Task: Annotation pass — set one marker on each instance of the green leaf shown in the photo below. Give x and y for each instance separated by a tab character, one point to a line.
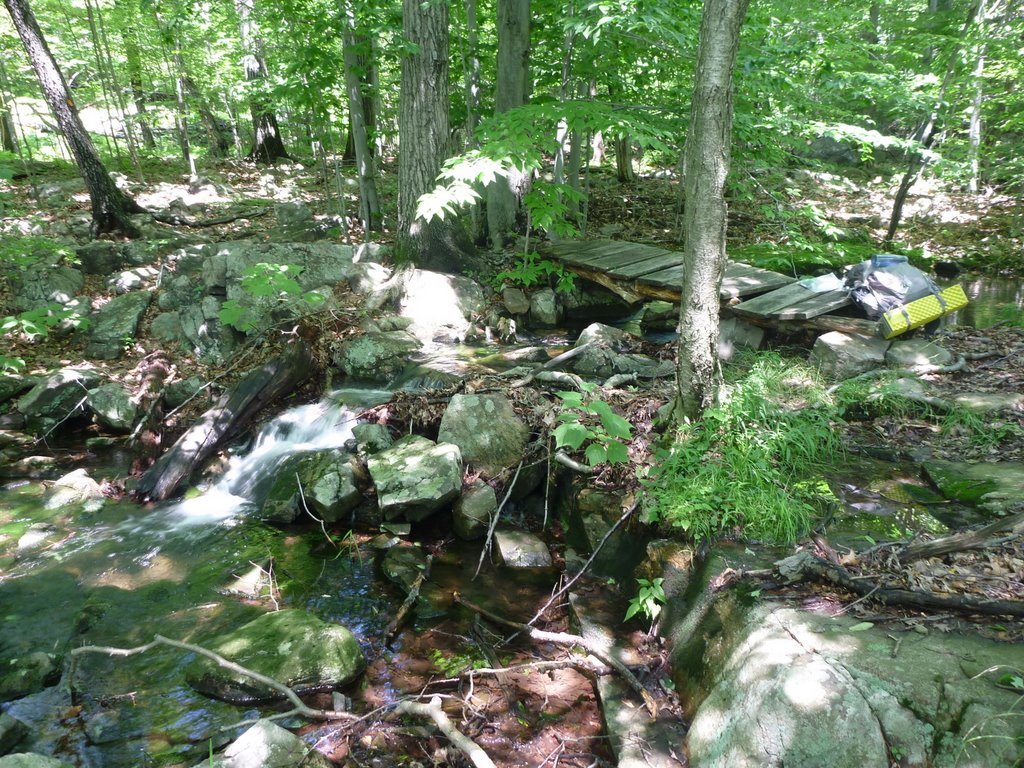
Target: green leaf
596	454
571	434
616	425
617	453
633	610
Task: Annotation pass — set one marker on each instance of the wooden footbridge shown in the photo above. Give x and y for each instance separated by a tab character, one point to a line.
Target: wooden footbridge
636	272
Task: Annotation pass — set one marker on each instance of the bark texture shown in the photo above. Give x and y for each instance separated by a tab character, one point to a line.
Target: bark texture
423	131
369	203
268	146
110	206
512	90
707	165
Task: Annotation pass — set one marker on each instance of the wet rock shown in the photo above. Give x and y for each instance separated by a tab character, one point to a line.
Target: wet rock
12	731
910	353
112	407
487	430
606	355
292	213
474	510
439	305
74	488
58	397
521	549
33	467
115	324
403	565
224	264
12	385
979	482
515	300
178	392
31	760
167	327
593	513
376	356
28	674
323	480
291	646
416	477
37	536
267	745
372	438
843	355
545	309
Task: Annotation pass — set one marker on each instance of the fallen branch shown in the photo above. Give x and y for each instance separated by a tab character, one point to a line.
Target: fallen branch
804	566
298	706
565	638
618	380
494	520
473	752
566	461
958	542
407	604
554	362
561	378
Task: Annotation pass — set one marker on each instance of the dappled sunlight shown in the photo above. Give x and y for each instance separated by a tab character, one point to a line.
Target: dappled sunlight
161	567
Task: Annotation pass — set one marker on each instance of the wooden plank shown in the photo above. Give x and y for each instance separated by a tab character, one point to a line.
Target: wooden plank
765	305
665	261
740	280
585	255
611	262
817	304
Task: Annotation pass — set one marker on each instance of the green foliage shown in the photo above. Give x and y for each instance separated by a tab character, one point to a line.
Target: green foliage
455	664
590	422
271	290
752	462
533	270
648	600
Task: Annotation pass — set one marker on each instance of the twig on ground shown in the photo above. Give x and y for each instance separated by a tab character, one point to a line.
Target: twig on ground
552	363
566	461
432	710
494	520
410	600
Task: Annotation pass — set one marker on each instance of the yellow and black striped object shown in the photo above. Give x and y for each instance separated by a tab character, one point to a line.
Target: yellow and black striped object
922	311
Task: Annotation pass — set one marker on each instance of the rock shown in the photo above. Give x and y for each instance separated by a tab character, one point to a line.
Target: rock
831	150
545	309
734	334
376	356
520	549
990	402
439	305
372	438
203	334
267	745
909	353
58	397
291	646
12	731
593	513
515	300
177	392
112	407
972	483
45	283
28	674
606	356
31	760
474	510
116	324
324	480
842	355
135	280
487	430
74	488
29	466
292	213
35	537
12	385
403	565
167	327
416	477
589	302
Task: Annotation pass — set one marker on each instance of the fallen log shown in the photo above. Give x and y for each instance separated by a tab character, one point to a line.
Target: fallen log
234	411
980	539
804	566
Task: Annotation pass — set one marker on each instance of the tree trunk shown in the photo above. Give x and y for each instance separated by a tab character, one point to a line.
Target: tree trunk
978	100
268	146
219	144
504	195
624	159
423	132
708	143
369	204
110	206
133	61
471	82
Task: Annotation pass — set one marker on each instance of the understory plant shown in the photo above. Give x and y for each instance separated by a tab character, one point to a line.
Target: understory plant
753	463
591	422
269	291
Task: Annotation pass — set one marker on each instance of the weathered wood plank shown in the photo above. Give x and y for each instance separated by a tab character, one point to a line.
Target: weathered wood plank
739	280
646	266
613	261
770	303
817	304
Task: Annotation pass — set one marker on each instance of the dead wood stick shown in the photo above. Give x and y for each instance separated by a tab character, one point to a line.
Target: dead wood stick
958	542
461	741
804	566
410	600
567	461
552	363
494	520
564	638
299	708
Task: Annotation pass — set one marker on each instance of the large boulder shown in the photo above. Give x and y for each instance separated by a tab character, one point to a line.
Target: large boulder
521	549
12	731
324	481
74	488
978	483
267	745
59	396
376	356
911	353
115	325
487	430
112	407
607	354
416	477
545	309
439	305
12	385
43	284
844	355
291	646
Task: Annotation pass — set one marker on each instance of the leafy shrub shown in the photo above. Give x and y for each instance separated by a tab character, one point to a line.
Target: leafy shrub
587	420
270	289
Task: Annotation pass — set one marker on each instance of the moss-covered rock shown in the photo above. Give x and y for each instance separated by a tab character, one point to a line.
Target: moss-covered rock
416	477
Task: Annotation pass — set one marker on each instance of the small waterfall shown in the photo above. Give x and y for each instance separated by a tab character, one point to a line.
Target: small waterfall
315	427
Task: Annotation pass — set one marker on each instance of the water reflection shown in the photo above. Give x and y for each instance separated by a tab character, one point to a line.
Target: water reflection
990	300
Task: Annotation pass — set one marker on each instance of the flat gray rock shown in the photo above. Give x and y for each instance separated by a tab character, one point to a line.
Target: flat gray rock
416	477
844	355
520	549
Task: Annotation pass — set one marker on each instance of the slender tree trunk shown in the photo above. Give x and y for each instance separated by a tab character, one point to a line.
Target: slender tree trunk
504	195
268	146
110	206
423	132
369	204
219	144
471	80
978	100
708	143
